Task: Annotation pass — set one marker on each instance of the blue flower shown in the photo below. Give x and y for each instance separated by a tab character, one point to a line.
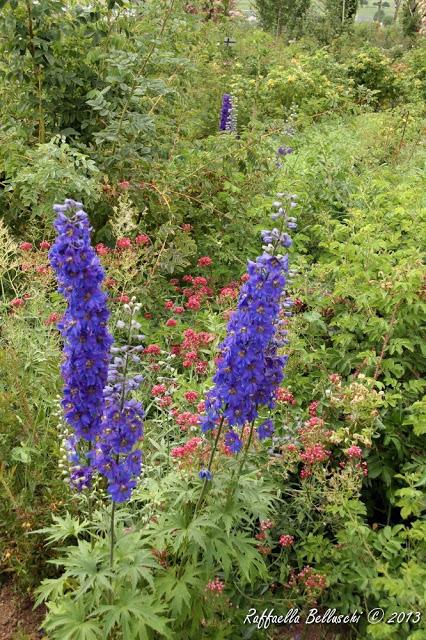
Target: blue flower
233	441
84	325
227	120
205	474
265	430
250	369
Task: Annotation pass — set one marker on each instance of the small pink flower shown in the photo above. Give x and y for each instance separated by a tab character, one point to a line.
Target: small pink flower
53	318
286	541
17	302
191	396
187	227
44	245
201	367
25	246
200	281
266	524
205	261
148	316
101	249
193	303
123	243
215	586
244	277
124	185
158	390
123	298
171	322
178	310
166	401
187	278
141	239
354	452
284	395
313	408
152	350
168	304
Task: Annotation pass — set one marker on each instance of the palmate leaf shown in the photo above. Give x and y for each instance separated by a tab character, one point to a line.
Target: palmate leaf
69	620
177	589
64	528
133	613
50	589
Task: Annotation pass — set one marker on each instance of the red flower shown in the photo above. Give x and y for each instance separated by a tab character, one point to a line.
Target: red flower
124	185
201	367
168	304
53	318
244	277
166	401
284	395
142	239
205	261
101	249
44	245
193	303
171	322
187	227
148	316
158	390
17	302
178	310
25	246
354	452
153	350
313	408
123	243
200	280
123	298
286	541
191	396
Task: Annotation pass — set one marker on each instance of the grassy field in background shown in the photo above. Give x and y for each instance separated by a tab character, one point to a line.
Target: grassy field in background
364	13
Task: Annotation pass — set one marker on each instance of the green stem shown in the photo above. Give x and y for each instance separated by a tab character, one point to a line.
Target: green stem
112	533
209	466
234	485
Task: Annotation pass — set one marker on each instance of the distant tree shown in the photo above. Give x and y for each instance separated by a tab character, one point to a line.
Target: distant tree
411	19
282	15
341	11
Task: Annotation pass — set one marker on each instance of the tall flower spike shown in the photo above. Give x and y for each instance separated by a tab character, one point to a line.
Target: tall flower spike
115	455
83	327
228	119
250	367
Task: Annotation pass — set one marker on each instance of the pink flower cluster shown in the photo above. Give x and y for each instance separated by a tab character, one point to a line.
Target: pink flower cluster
284	395
354	452
313	581
188	350
186	419
315	453
215	586
286	540
123	244
190	447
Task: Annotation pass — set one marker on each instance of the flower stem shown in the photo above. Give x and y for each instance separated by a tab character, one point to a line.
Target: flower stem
234	485
209	466
112	535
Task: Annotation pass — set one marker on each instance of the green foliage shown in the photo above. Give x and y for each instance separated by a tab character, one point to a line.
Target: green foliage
118	106
280	15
